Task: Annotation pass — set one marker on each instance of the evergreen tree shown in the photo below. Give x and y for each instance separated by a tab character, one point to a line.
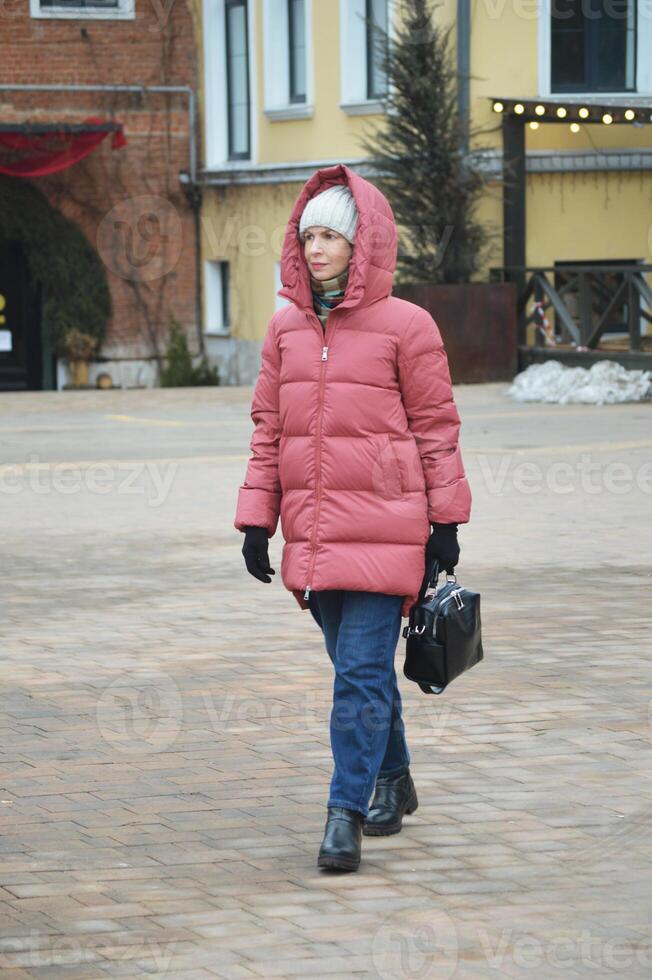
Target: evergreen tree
178	371
431	184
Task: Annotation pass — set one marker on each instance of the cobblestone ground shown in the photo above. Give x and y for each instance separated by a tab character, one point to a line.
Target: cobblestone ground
165	748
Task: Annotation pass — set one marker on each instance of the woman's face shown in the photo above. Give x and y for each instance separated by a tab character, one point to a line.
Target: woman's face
327	252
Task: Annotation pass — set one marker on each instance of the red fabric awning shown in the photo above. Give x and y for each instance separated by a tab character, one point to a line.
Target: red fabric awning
37	149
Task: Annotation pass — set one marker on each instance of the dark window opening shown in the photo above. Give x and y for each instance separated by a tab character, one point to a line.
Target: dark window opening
237	79
593	45
297	49
80	4
226	306
376	13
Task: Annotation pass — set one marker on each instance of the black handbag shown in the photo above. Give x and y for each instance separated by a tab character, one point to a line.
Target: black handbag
443	634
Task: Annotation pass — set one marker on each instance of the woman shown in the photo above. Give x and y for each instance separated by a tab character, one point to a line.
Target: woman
355	448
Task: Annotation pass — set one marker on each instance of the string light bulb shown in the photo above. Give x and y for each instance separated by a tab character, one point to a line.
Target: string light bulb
519	108
561	112
583	113
540	110
534	125
498	107
630	114
607	119
574	127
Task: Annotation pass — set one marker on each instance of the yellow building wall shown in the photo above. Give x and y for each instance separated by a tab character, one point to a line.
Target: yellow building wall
490	215
245	226
584	216
589	217
330	134
505	62
579	216
591	138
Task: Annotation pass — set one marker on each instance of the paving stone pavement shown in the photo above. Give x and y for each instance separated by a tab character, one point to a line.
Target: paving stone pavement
165	749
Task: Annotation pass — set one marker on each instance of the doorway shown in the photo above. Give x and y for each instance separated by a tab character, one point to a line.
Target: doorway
21	346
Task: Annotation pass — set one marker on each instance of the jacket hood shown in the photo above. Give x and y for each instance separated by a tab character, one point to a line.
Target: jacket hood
372	265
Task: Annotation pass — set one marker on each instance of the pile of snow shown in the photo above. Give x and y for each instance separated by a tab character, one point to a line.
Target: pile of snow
606	382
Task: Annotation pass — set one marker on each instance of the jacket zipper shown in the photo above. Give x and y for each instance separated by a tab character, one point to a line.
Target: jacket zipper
324	358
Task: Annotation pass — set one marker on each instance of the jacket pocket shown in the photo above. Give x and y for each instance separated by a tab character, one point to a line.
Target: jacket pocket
416	475
392	472
279	462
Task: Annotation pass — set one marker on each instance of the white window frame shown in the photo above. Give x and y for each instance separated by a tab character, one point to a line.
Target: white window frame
353	57
643	85
216	119
277	63
214	298
126	10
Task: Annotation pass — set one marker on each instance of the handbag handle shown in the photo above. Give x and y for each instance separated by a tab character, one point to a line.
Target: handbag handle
430	579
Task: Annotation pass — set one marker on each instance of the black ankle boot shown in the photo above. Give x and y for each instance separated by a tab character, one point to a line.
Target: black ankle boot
342	839
394	796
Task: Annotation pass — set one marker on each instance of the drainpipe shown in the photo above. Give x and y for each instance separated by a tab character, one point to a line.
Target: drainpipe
463	69
194	198
187	179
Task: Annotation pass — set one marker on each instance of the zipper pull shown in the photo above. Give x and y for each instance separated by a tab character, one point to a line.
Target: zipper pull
324	353
306	593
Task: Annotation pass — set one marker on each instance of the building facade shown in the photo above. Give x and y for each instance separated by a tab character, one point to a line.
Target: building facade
292	85
132	65
228	106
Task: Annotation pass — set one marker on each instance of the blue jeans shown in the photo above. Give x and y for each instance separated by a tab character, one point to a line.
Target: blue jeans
361	630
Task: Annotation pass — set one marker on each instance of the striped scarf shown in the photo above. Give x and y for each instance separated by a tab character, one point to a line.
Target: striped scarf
327	293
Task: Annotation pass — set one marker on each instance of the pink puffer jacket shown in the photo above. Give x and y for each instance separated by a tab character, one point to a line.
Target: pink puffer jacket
355	444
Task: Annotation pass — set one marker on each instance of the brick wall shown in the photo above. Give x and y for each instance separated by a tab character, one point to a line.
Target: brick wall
129	202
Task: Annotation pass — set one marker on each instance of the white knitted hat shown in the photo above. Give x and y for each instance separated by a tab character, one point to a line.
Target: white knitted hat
334	208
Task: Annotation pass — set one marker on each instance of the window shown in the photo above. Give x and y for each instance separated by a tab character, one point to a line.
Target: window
74	4
216	288
229	82
364	83
593	45
297	49
287	59
83	9
376	13
237	78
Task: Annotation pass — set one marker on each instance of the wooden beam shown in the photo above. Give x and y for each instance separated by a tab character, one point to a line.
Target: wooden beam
586	307
643	289
633	314
603	322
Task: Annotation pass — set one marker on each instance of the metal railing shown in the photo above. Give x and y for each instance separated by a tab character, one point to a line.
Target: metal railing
587	300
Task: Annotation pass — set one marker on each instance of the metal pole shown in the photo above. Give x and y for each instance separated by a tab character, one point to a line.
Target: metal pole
513	191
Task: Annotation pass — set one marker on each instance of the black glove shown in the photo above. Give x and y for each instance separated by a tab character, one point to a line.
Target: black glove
442	545
255	553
